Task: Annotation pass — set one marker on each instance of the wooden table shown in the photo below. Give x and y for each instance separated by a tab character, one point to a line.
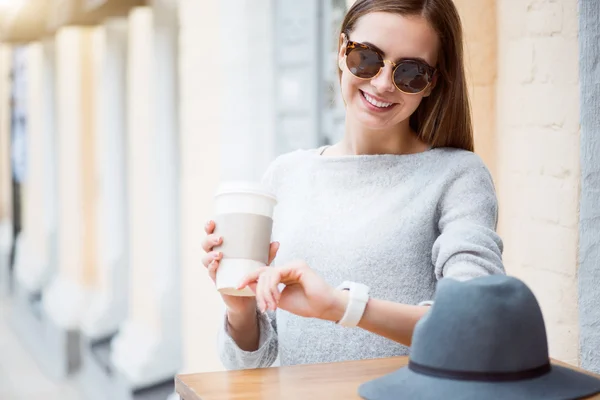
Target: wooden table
301	382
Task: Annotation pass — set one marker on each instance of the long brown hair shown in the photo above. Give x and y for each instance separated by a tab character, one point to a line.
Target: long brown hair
443	119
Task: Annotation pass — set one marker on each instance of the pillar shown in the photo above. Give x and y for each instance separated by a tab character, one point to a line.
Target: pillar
147	349
66	298
36	255
219	143
6	237
589	224
108	308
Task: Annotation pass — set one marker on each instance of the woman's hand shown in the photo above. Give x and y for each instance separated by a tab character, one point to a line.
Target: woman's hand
306	294
211	260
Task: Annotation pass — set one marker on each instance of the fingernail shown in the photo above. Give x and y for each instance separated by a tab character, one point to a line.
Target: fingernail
216	255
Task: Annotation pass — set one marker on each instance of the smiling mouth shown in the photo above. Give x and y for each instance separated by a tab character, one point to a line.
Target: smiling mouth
375	103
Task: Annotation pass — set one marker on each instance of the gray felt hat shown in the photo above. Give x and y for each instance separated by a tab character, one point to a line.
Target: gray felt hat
482	339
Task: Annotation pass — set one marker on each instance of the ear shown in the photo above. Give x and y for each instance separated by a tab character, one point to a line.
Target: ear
431	85
342	52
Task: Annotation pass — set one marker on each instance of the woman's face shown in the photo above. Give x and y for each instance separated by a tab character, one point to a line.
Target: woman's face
397	37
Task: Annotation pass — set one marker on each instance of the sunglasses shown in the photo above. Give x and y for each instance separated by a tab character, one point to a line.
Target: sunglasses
409	76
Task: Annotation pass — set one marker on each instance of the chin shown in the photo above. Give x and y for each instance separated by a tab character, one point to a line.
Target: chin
376	122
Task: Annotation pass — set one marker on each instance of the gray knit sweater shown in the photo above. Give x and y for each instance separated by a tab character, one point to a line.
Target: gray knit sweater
397	223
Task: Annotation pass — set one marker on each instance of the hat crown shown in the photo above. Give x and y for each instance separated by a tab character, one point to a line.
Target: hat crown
491	324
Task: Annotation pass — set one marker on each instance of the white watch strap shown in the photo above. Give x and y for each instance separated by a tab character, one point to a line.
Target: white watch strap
358	296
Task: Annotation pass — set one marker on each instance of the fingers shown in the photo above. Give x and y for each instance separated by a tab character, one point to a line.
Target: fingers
211	241
273	288
267	292
273	249
212	270
209	227
210	257
262	282
250	278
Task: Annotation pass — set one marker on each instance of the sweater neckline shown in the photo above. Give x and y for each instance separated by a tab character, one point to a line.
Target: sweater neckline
318	154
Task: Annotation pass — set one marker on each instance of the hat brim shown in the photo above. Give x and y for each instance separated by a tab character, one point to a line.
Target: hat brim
560	383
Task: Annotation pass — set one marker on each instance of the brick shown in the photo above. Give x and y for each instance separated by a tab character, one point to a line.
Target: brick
547	105
544	18
518	61
549	247
556	60
570	29
554	200
543	151
512	19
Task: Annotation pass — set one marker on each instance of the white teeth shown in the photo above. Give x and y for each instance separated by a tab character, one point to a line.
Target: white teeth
375	102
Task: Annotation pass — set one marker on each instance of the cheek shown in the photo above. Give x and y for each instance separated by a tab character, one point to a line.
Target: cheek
348	85
411	102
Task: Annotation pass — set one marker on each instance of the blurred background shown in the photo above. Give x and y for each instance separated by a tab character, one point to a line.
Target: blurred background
119	118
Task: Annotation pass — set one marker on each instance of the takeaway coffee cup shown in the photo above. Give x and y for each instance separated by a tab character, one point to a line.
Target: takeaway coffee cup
244	218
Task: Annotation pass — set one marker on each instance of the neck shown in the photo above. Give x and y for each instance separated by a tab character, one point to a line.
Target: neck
400	139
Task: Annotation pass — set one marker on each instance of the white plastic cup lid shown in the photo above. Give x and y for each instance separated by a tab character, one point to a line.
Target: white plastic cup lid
233	187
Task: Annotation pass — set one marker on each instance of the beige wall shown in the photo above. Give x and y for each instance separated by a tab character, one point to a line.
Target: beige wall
5	88
479	27
538	157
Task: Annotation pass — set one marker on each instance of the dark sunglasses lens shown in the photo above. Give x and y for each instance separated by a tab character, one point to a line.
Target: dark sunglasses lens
411	77
363	63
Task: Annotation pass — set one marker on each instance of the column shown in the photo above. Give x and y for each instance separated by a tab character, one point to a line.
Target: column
36	254
589	224
5	170
201	127
538	171
147	349
29	256
248	134
108	308
66	298
227	135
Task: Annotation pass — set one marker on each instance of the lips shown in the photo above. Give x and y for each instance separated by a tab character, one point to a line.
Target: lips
376	102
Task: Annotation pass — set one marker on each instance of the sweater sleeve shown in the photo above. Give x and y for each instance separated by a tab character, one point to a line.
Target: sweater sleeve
468	245
233	357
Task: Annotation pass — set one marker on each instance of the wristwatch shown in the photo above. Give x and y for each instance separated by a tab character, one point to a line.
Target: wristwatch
358	296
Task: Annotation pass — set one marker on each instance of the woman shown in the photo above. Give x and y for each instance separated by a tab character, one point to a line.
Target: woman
399	203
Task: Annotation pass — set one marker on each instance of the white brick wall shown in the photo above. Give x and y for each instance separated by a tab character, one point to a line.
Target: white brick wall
538	157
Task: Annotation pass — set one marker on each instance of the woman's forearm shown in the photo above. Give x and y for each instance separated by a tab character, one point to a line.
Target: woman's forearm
394	321
243	329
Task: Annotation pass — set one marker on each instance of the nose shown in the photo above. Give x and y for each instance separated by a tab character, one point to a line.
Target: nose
383	81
